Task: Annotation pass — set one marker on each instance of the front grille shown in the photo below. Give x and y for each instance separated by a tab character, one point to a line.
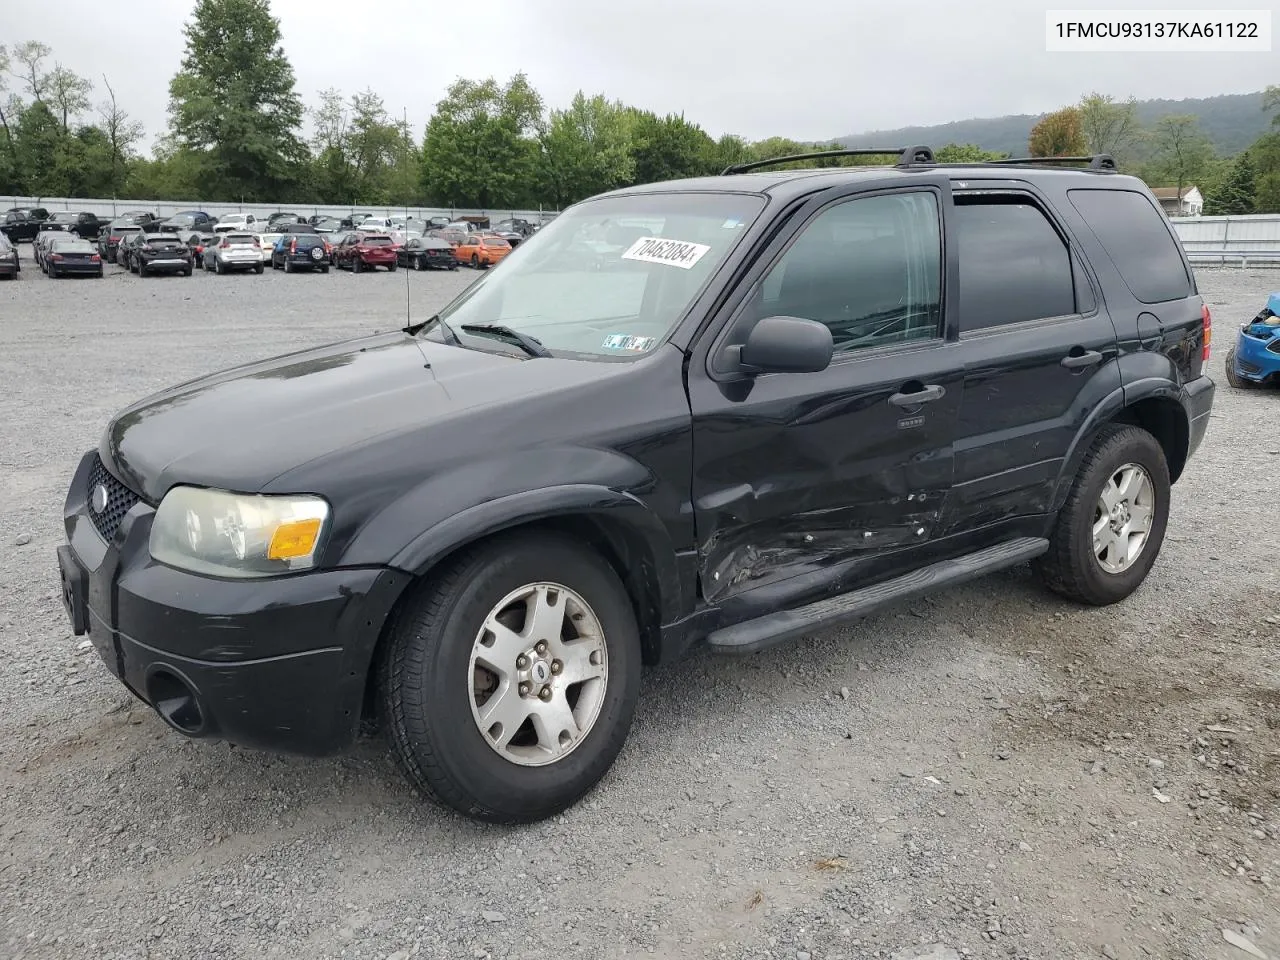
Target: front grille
1274	345
120	499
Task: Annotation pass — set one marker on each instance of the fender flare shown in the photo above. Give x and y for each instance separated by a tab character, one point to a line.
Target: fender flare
1116	402
620	512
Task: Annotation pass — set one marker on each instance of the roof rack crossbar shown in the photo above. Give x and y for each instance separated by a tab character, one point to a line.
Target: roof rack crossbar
906	155
1099	161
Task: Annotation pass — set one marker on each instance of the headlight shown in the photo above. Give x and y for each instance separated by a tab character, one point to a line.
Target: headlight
236	535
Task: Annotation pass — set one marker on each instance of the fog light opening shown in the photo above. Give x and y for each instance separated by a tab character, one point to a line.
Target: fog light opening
176	702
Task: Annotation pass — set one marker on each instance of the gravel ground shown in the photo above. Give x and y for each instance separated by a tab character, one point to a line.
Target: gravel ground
988	773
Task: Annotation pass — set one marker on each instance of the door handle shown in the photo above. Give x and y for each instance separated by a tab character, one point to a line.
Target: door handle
925	394
1085	358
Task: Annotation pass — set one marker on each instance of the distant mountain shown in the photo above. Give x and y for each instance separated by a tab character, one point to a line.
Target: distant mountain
1232	122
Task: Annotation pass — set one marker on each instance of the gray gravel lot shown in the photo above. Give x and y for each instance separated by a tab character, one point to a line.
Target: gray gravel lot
989	773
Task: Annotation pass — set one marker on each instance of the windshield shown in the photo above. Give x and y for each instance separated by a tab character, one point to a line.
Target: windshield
611	277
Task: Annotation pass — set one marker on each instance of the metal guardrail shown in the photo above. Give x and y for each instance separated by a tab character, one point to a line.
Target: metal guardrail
1222	255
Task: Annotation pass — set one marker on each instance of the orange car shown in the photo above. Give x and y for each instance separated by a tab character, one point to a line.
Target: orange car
481	250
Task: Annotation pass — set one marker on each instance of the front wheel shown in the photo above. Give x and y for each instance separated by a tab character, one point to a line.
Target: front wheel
1109	532
1233	378
512	678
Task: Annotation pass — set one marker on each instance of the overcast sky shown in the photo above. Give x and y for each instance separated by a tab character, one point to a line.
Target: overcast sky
810	71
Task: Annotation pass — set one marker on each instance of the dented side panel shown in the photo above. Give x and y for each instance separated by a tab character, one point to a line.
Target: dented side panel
796	472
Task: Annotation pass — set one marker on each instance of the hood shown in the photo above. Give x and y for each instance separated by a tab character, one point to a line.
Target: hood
242	428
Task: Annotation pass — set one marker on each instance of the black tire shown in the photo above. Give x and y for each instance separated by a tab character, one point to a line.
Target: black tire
427	711
453	266
357	265
258	269
324	269
53	273
1233	378
475	261
391	268
100	274
288	266
218	268
142	269
1070	567
187	272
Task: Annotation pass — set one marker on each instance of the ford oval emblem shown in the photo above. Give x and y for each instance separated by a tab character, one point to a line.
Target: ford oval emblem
99	499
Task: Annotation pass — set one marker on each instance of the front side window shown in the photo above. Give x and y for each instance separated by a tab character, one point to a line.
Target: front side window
611	277
870	269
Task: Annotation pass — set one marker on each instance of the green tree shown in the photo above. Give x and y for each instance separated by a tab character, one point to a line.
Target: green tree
1265	156
1237	192
480	148
1109	127
1271	103
728	150
9	108
667	148
36	144
1059	134
965	153
1183	153
232	103
67	94
586	149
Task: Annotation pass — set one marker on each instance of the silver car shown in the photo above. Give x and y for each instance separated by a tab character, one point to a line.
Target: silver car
234	251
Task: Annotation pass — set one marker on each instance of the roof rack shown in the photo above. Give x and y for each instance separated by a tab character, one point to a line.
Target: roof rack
906	156
1099	161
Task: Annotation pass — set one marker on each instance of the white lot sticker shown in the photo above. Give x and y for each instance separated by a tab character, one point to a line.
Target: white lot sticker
674	253
620	341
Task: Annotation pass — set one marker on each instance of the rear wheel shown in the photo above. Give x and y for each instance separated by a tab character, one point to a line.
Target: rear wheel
288	266
1233	378
142	269
357	265
475	261
1110	530
258	269
391	268
512	678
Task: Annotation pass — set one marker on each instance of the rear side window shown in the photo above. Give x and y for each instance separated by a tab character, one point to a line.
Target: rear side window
1136	237
1014	266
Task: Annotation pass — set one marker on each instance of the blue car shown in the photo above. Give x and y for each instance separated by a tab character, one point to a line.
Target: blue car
1255	358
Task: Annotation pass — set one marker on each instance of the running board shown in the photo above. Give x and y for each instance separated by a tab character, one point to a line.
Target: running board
776	628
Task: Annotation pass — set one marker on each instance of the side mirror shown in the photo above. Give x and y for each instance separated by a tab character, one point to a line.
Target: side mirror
786	345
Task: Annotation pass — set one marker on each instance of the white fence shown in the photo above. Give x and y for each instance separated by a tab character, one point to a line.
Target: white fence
1223	240
164	208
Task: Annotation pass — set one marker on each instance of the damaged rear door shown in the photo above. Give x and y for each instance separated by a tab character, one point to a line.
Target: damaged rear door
825	476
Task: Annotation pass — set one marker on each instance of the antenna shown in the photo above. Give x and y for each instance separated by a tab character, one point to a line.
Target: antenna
408	309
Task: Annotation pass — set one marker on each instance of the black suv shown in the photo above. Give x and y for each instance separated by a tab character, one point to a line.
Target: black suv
301	250
731	411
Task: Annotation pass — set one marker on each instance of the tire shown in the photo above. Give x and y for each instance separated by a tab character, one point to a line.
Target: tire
288	266
1233	378
100	274
357	265
453	266
258	269
218	268
142	269
475	261
1071	567
187	272
53	273
428	692
324	269
391	268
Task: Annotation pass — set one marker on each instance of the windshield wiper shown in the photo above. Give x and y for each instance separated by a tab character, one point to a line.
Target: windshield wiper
449	336
528	344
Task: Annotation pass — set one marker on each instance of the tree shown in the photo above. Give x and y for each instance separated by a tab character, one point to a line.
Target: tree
1109	127
667	148
232	103
480	148
1182	151
121	134
965	153
1271	103
1058	134
68	94
728	150
1237	192
30	55
586	149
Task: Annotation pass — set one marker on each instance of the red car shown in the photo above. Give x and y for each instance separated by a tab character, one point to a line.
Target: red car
365	251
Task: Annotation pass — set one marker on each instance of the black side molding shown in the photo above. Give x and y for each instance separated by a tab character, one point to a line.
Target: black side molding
775	628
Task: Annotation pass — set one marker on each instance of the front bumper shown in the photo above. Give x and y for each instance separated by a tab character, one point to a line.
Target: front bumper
1254	361
277	664
1199	404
